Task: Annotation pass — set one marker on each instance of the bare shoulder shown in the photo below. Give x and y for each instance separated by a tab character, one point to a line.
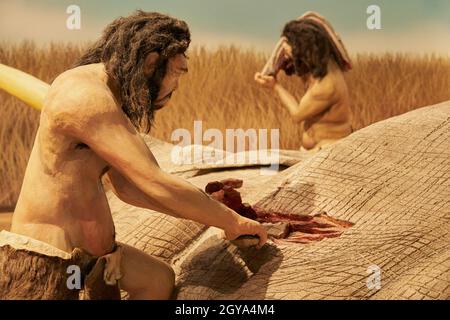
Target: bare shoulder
323	89
77	94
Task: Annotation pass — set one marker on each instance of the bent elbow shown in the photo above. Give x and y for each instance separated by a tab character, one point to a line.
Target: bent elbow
297	117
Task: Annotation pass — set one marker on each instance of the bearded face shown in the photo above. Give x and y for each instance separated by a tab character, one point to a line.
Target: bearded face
159	80
175	68
144	85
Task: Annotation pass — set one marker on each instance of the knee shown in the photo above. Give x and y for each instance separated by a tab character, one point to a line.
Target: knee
159	288
166	282
170	277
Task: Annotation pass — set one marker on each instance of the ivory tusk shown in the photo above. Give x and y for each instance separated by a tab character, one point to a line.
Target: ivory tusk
23	86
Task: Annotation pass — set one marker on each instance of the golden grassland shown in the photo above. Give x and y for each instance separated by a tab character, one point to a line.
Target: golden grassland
219	90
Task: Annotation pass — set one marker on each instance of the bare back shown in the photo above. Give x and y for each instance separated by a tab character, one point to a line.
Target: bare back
62	201
334	122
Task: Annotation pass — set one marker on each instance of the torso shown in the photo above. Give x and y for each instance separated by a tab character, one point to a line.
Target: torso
62	201
335	122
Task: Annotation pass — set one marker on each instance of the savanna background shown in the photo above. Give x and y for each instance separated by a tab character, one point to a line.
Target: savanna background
219	90
228	48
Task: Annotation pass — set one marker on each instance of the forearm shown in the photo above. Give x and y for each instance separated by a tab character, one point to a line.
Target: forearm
129	193
162	192
189	202
138	199
217	215
287	99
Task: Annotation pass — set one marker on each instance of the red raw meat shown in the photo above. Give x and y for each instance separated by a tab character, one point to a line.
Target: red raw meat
283	228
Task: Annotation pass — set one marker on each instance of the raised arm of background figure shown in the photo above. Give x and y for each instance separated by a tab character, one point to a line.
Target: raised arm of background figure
318	98
103	126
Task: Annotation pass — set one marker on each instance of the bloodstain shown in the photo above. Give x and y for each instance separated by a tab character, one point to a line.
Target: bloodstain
282	227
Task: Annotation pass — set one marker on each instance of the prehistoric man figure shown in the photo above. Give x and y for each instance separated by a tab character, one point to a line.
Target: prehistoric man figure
89	128
310	48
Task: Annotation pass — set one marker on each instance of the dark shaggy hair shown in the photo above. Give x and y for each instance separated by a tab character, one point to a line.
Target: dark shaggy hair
311	48
123	48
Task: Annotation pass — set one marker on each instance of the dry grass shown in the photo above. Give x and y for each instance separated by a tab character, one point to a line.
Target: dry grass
219	90
5	220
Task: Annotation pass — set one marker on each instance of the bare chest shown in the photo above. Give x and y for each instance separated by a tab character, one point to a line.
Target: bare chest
62	155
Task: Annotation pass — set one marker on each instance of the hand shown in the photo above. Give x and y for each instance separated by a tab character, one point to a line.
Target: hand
268	82
247	226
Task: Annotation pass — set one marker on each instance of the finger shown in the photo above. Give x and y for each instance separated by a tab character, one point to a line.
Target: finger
262	234
257	75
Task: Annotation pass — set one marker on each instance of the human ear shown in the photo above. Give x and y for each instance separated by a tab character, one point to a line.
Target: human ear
150	62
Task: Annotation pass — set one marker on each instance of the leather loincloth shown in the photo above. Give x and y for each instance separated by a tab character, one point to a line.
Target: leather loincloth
32	269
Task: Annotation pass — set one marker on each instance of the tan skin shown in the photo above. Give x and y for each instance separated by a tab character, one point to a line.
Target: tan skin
62	201
324	110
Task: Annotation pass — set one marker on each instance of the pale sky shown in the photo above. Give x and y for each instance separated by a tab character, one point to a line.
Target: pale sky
419	26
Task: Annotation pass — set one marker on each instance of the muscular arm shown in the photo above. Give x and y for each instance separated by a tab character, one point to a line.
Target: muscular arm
92	118
315	101
129	193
